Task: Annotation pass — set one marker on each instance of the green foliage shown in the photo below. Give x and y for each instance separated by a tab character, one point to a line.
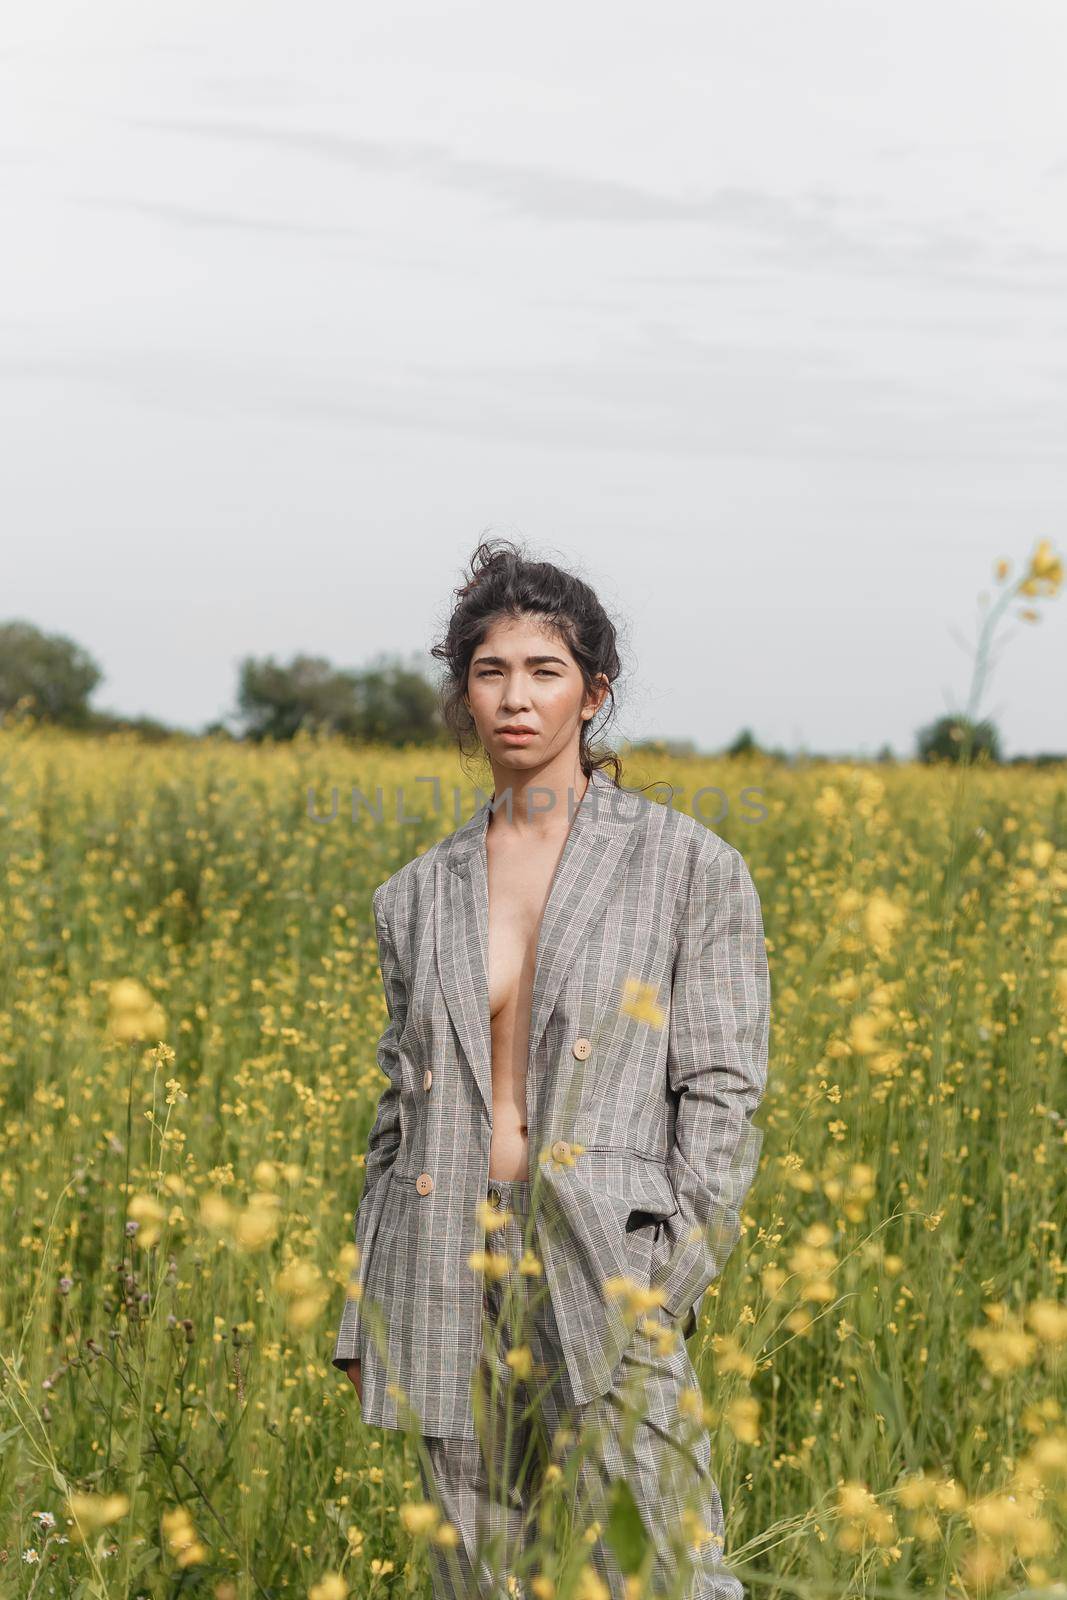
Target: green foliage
388	703
957	739
46	674
625	1531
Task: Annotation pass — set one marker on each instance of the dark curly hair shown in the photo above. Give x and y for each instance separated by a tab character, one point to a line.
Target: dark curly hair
504	582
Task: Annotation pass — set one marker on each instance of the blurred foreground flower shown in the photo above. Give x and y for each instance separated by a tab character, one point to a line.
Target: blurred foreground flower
94	1511
862	1519
329	1587
181	1538
133	1014
421	1517
147	1216
635	1297
251	1227
489	1262
882	919
305	1291
640	1001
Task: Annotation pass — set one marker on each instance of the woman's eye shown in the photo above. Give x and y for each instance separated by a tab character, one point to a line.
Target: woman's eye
491	672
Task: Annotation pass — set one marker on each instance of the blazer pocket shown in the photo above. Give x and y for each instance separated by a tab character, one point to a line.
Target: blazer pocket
641	1197
635	1175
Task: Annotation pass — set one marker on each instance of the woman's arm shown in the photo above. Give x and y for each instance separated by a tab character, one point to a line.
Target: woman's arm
717	1069
384	1138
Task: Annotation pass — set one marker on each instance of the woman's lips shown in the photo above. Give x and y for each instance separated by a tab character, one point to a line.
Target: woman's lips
516	738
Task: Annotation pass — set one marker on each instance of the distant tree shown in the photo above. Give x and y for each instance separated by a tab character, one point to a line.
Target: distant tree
956	739
1043	758
275	701
397	704
47	673
744	745
387	702
150	729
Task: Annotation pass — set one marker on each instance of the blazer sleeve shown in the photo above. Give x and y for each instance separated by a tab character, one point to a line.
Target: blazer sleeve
384	1138
717	1069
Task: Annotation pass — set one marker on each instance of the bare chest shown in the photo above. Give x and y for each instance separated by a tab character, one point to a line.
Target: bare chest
520	876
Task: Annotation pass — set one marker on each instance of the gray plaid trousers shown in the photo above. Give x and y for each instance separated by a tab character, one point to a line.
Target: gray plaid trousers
487	1487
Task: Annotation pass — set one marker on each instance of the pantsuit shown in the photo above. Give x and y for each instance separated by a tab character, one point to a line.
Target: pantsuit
649	1025
489	1487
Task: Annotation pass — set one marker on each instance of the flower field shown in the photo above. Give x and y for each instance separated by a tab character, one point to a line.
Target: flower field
189	1010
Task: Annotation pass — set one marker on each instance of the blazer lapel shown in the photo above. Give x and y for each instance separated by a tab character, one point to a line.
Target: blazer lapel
601	838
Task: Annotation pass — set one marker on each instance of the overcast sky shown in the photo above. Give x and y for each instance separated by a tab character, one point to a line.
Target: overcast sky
754	314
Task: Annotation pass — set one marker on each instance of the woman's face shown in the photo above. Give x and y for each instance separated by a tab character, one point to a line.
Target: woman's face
525	676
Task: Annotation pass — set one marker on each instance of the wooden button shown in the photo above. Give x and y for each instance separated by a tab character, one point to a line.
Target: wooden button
561	1150
424	1183
582	1049
427	1078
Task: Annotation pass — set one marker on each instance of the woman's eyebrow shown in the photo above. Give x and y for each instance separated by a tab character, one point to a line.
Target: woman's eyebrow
502	661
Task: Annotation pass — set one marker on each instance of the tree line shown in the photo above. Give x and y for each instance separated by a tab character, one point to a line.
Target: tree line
52	679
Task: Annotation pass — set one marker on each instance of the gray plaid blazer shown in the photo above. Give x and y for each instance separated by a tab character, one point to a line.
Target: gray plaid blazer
657	1107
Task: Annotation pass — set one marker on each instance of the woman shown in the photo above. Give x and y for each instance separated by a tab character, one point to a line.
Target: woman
579	1008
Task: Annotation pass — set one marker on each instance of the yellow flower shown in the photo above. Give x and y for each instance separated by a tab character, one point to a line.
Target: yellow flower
299	1277
730	1356
216	1213
590	1586
742	1418
529	1266
1048	1458
882	919
636	1297
133	1014
420	1517
664	1336
691	1404
566	1160
330	1587
1048	1319
862	1518
487	1261
492	1217
639	1000
146	1211
697	1533
181	1538
1045	572
829	804
520	1360
258	1224
94	1511
1004	1349
863	1032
